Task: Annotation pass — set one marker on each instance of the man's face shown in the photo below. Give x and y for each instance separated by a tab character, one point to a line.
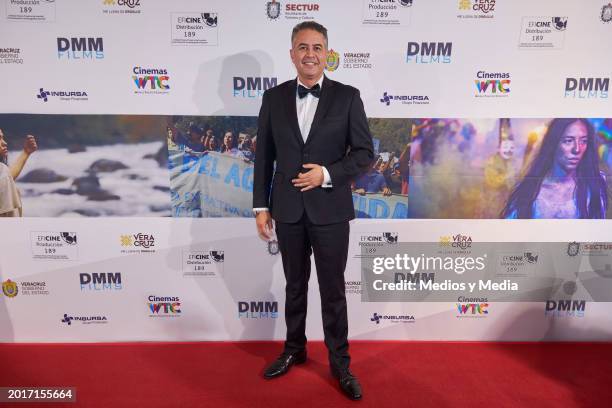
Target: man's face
506	149
572	146
309	53
227	139
3	145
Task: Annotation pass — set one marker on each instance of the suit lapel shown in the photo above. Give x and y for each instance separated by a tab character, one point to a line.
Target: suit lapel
290	108
327	95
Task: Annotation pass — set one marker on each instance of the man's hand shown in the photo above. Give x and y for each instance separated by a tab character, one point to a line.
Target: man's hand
311	179
30	146
264	225
387	191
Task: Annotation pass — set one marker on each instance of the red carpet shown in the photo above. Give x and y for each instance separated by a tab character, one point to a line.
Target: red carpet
393	374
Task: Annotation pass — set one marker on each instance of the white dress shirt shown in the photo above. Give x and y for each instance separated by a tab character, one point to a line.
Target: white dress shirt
306	108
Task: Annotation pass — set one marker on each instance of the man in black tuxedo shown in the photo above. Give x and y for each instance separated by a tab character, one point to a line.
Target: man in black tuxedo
316	131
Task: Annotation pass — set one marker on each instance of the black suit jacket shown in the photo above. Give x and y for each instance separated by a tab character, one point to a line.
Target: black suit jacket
339	139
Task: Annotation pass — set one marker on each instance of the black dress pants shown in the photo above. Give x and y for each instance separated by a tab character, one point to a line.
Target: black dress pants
330	246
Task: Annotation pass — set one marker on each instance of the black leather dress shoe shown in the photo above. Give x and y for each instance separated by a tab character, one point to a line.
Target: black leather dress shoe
284	363
349	384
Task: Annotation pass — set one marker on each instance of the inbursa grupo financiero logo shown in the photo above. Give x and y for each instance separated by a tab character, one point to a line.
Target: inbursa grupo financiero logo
80	48
429	52
45	95
404	99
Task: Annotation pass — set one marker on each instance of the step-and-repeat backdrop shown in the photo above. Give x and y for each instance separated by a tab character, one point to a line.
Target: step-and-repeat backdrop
127	138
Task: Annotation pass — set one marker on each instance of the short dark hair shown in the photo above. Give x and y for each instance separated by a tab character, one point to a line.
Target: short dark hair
309	25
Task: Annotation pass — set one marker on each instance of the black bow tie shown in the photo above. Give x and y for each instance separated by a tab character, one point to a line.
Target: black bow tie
303	91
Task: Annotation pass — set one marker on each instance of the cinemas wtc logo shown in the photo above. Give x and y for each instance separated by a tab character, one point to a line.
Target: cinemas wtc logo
80	48
492	84
164	306
141	242
587	88
472	309
151	80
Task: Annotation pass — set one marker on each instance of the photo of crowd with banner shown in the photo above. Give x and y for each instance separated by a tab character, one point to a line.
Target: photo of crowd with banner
193	166
211	168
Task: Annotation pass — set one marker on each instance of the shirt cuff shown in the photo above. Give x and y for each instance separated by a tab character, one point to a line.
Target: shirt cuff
326	179
260	209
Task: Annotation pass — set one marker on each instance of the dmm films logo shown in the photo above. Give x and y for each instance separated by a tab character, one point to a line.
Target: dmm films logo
348	60
46	95
137	243
471	9
203	263
54	245
24	288
98	282
257	310
565	308
121	6
30	10
292	11
70	319
252	87
80	48
378	318
386	12
606	13
151	80
587	88
195	28
10	56
164	306
492	84
543	32
404	99
429	52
